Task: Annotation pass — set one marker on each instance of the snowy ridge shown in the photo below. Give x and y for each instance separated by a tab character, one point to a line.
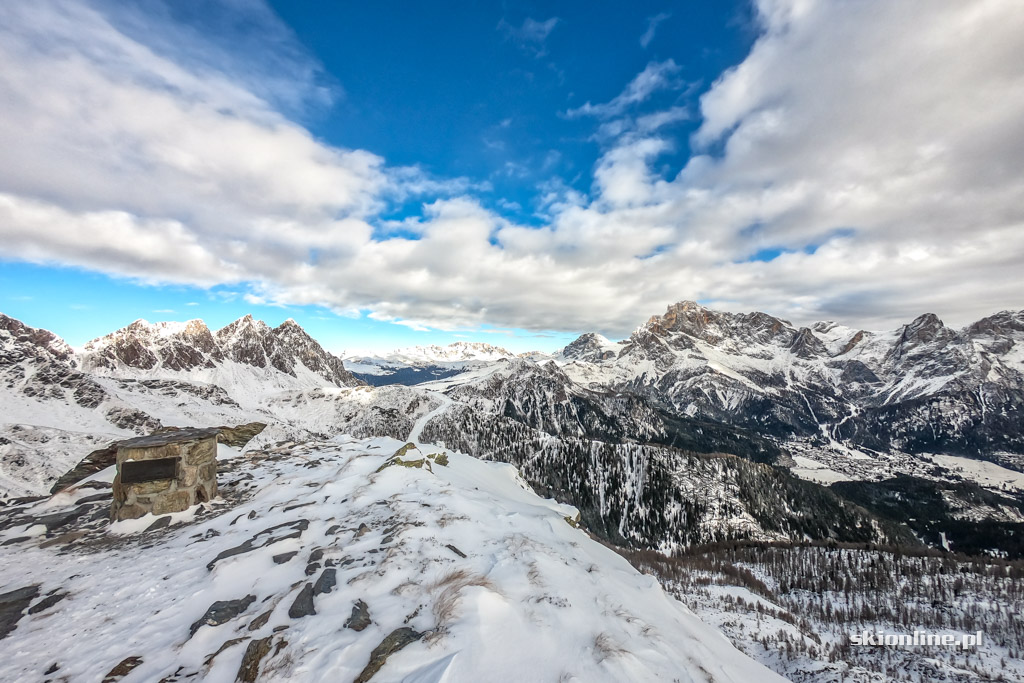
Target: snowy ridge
419	364
455	352
320	553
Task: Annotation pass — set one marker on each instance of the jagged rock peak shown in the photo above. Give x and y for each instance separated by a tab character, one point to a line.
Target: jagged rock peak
187	346
242	325
685	316
927	324
22	333
925	329
695	320
591	347
144	345
806	345
1003	323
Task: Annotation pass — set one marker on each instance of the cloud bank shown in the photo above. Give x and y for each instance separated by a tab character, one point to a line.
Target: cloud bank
865	162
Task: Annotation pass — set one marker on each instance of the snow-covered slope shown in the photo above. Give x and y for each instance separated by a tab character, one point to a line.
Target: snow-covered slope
333	561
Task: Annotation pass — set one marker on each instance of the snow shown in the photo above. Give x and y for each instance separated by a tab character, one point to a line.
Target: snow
812	470
985	473
417	429
458	352
534	598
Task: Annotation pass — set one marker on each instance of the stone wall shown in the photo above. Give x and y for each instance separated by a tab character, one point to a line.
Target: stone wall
194	478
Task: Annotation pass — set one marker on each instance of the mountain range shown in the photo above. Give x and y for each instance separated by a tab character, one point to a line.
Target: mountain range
701	434
701	426
922	387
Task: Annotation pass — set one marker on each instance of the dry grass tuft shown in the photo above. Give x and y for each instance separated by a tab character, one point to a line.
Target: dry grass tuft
450	587
534	576
605	647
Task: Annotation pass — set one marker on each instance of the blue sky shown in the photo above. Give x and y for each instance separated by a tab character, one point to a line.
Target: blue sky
398	173
480	90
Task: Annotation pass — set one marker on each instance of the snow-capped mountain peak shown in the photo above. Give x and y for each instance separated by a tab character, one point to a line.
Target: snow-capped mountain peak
591	347
455	352
186	347
20	333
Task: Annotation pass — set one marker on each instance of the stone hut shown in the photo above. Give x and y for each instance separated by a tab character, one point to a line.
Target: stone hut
163	473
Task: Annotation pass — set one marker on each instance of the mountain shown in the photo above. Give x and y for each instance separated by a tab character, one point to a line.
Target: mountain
453	353
700	435
282	357
591	347
56	405
921	388
690	431
418	364
51	412
354	560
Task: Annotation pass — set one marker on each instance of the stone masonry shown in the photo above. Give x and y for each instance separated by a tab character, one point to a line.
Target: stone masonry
164	473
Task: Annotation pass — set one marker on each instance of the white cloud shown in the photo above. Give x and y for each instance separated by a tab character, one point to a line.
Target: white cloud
532	35
655	76
876	144
652	27
151	250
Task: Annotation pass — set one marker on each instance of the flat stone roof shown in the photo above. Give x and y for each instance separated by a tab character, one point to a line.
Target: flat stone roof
165	438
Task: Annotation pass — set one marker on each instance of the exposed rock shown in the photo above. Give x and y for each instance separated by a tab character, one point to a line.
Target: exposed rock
94	498
99	459
69	537
133	420
47	602
224	646
360	617
61	519
395	641
249	669
12	607
303	604
275	534
260	621
326	582
284	557
123	668
238	436
221	612
161	523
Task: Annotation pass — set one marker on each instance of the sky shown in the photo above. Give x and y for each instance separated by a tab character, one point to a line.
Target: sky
396	173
